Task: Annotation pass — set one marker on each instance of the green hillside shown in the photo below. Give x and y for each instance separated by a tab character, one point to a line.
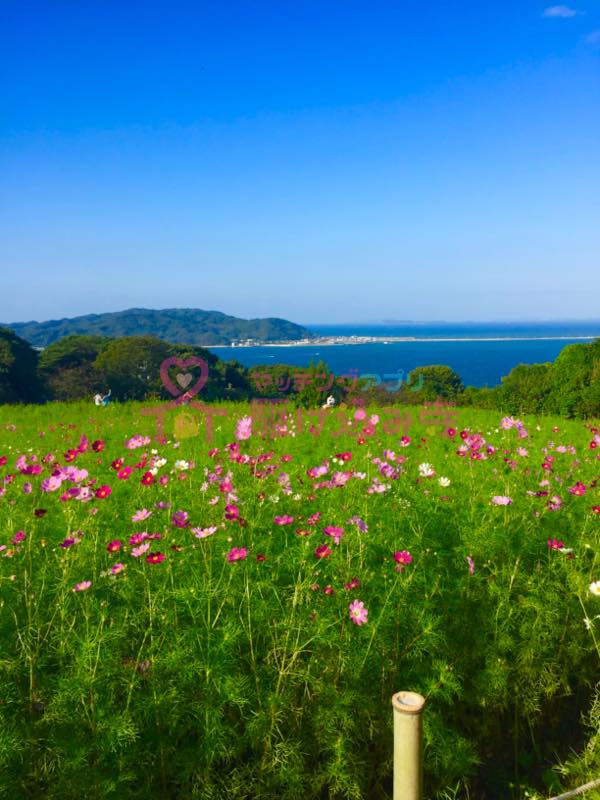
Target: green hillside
178	325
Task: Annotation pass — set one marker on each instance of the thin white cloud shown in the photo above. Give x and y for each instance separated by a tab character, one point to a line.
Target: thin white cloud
593	38
561	12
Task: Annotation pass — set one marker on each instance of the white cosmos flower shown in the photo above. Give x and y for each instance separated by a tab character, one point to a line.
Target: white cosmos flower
426	470
595	588
444	481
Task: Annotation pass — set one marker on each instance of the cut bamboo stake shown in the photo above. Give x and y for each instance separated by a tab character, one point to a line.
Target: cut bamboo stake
408	726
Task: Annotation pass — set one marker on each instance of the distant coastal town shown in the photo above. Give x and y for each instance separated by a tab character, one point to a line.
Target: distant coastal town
325	341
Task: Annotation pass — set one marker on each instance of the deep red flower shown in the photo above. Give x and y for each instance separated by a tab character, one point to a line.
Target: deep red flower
155	558
117	463
98	446
147	479
114	546
322	551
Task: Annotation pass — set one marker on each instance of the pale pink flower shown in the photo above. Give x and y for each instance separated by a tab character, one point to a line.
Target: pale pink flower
357	612
244	428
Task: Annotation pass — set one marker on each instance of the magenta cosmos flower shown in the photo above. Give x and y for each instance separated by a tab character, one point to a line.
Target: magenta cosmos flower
357	612
102	492
180	519
403	557
578	489
284	519
237	554
334	531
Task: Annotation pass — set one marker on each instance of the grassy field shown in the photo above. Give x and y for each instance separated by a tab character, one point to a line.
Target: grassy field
226	612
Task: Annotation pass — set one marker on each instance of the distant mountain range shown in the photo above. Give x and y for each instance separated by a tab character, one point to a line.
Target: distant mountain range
178	325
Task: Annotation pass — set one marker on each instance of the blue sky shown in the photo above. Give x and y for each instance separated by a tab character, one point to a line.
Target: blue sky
318	160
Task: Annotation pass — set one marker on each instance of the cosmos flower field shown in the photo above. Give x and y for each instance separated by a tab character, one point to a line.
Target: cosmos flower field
187	618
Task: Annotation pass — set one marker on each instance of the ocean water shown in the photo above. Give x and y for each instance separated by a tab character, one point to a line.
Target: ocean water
477	361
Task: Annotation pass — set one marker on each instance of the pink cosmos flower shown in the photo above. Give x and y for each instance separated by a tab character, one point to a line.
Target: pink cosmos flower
360	414
554	503
141	515
357	612
244	428
138	538
51	484
471	564
203	533
578	489
124	473
237	554
81	587
139	551
284	519
501	500
334	531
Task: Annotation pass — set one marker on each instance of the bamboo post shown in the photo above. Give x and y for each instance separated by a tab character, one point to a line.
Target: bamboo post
408	768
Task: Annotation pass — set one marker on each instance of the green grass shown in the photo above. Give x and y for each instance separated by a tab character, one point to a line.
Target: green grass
200	677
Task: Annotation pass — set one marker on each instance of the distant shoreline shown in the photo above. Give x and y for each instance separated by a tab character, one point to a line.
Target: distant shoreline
330	341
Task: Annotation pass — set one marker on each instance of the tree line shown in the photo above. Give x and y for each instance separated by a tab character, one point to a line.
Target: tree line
79	366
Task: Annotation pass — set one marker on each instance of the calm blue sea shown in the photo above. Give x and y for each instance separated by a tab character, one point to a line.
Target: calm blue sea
479	363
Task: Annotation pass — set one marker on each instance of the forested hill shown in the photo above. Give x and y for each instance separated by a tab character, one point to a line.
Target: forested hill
179	325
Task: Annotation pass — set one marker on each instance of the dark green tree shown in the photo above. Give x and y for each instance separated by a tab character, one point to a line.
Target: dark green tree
436	380
573	380
19	381
525	390
130	367
67	367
